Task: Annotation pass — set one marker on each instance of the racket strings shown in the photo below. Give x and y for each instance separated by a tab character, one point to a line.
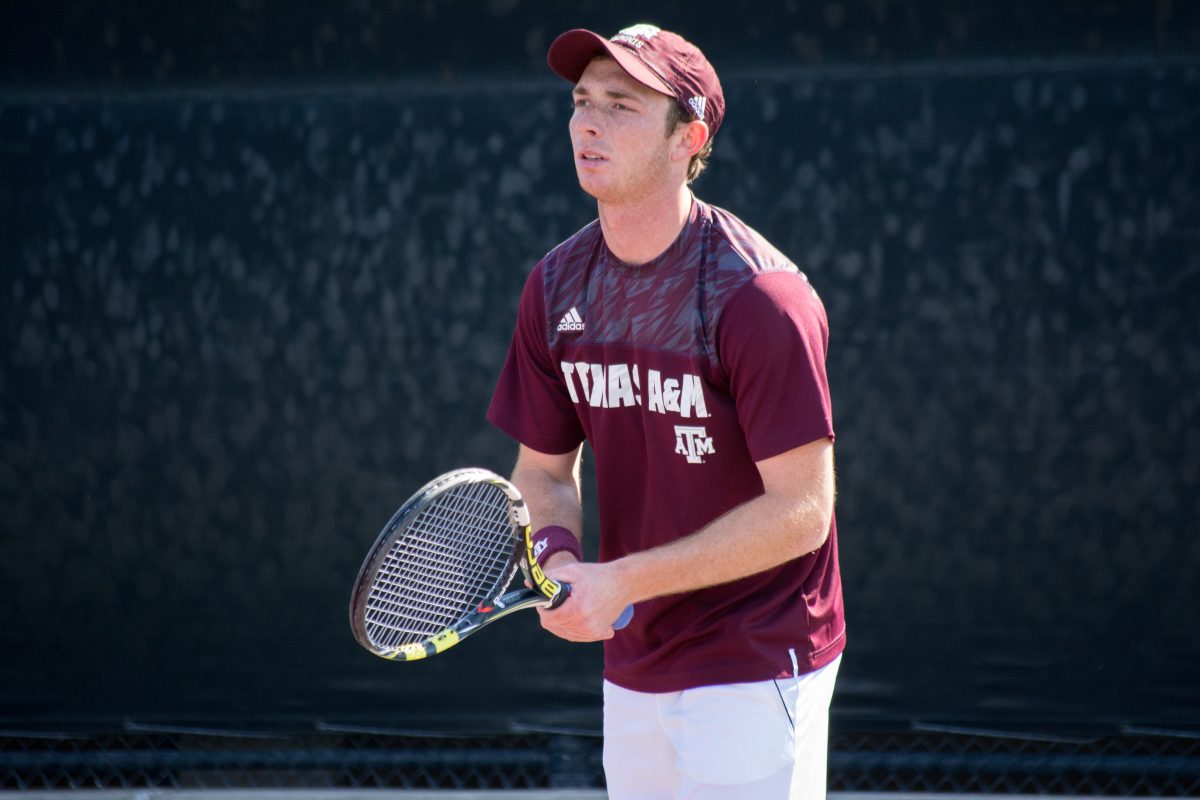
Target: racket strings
452	555
462	542
452	548
414	601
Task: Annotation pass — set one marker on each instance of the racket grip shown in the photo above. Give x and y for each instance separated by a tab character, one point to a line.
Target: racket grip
623	620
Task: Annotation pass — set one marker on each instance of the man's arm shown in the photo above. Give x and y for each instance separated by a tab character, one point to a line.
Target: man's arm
550	485
790	519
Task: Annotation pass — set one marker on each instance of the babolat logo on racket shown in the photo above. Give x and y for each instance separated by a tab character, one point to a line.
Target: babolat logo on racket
546	586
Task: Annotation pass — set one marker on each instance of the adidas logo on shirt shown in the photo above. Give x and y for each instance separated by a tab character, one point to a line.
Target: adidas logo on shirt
571	322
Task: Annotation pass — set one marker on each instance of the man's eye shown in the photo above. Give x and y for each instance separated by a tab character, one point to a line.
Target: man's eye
579	103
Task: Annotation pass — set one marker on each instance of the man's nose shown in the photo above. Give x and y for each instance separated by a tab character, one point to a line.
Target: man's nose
584	120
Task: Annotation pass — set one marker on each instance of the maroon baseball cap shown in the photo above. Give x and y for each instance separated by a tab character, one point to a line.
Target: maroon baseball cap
664	61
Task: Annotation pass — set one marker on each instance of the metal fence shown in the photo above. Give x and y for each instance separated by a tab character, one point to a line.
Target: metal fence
1135	763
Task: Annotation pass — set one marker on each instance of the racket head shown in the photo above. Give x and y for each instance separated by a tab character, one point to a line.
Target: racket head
441	567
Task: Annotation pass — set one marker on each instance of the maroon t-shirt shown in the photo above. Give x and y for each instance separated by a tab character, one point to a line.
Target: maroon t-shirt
681	374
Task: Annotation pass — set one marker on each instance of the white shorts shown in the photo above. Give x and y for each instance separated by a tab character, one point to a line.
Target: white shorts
742	741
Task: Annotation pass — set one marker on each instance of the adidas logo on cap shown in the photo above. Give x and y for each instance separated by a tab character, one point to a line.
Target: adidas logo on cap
571	322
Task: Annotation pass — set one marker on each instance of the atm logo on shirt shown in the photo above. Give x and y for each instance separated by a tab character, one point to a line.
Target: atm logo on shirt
620	385
693	443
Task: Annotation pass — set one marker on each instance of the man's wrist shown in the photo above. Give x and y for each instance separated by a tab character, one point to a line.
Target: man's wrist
554	539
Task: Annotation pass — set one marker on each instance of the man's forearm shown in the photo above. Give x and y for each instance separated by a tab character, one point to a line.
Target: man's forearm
756	536
790	519
553	496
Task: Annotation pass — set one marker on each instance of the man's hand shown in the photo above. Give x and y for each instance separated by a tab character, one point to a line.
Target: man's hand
595	603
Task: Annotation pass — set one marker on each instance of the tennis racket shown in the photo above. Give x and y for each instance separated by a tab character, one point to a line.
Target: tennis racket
441	568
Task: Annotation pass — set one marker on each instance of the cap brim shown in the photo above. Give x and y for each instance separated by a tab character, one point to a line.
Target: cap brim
572	51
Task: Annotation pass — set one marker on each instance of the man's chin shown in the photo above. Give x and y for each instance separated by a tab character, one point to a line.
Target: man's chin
588	186
594	189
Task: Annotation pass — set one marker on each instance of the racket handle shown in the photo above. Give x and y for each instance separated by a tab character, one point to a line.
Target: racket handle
623	620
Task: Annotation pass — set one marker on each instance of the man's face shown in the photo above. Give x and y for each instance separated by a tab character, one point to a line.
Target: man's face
618	133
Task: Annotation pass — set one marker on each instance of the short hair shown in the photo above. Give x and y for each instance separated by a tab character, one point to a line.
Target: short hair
678	114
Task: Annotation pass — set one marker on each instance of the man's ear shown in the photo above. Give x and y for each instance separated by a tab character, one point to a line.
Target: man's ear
695	134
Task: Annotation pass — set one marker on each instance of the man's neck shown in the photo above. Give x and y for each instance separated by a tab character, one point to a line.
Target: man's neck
640	232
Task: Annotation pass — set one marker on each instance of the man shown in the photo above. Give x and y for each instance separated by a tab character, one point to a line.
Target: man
690	354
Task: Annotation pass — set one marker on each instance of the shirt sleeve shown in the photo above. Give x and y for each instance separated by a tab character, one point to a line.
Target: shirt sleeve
531	403
772	340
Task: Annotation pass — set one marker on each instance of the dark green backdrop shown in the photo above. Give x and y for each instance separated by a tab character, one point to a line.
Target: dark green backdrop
258	276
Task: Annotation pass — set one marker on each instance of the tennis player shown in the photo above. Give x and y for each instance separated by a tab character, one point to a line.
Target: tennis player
690	354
